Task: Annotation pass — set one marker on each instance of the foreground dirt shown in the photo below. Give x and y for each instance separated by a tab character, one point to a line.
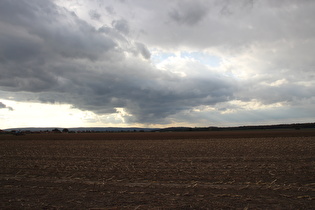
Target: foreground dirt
197	170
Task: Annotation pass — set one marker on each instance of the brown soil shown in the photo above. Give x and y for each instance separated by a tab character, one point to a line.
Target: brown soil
192	170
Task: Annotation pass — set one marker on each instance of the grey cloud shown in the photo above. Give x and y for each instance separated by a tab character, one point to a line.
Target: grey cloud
287	93
275	115
189	12
110	10
134	47
18	47
115	35
147	94
33	40
143	50
179	94
284	73
248	23
121	25
95	15
232	7
38	21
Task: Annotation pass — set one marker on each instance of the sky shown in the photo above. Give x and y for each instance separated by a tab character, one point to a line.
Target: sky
143	63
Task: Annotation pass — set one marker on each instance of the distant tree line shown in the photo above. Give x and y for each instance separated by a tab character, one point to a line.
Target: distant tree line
296	126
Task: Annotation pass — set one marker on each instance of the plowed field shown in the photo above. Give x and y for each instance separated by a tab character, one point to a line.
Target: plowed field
192	170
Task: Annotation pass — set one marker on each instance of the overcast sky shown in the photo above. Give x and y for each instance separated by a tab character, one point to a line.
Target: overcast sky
156	63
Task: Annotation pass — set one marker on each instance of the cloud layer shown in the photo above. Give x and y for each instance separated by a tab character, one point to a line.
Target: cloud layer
98	56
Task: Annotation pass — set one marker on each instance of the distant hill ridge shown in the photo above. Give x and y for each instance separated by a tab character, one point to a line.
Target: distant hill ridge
296	126
94	129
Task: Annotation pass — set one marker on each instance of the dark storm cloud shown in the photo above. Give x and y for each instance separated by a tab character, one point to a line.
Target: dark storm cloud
53	56
36	37
49	29
145	92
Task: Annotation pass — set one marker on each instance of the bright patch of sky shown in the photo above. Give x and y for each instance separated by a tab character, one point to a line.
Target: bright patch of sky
204	58
201	57
31	114
158	57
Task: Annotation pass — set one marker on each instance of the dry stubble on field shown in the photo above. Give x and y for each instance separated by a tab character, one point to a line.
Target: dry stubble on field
255	170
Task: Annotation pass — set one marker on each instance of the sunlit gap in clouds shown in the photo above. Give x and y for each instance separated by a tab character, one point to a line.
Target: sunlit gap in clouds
33	114
184	63
201	57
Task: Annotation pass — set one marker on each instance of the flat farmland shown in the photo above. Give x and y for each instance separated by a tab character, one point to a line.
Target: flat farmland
175	170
